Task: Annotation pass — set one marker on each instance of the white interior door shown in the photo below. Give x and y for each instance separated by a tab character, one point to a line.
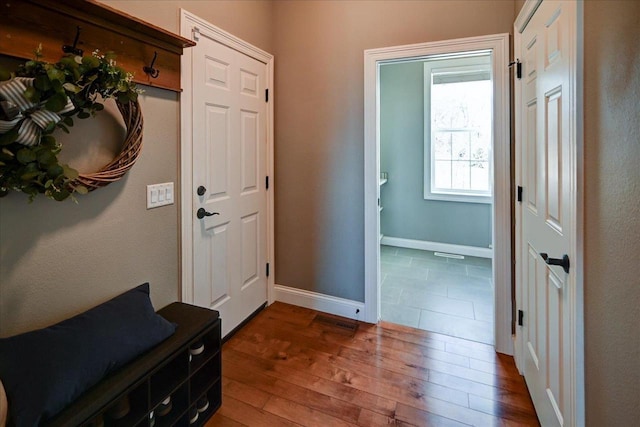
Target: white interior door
547	146
229	170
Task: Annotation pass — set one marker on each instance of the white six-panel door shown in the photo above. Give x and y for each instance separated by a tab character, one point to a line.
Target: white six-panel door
229	170
547	144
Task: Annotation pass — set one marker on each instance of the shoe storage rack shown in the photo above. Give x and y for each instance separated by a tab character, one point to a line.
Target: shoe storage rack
177	383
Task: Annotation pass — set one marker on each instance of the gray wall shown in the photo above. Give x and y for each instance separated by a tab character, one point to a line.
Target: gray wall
406	213
612	212
251	20
59	259
319	96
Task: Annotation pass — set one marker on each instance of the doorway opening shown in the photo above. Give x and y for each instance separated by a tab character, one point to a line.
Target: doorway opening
460	162
436	141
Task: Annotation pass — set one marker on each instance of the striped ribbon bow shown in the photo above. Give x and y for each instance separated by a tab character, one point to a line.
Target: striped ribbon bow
33	117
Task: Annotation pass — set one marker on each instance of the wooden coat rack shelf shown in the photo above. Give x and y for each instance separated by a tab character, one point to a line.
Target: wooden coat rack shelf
26	24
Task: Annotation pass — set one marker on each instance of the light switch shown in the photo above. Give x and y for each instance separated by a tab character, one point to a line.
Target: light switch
159	195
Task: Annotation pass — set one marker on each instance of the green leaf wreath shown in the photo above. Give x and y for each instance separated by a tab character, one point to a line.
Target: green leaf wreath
38	99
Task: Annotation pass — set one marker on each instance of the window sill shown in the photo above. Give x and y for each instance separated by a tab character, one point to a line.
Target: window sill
459	198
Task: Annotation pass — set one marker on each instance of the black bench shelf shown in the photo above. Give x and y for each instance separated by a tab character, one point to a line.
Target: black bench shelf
166	370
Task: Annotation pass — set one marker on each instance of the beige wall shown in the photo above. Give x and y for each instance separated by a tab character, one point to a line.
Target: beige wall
248	19
58	259
612	212
319	48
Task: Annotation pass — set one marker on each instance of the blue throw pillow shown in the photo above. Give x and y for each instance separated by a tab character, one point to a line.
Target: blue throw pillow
45	370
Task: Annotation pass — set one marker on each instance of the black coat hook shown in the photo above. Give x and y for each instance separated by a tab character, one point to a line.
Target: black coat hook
154	73
74	49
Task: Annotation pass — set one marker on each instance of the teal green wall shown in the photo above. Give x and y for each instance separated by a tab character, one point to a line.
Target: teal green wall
406	213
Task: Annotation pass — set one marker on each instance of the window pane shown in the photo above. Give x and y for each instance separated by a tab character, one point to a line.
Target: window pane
460	114
460	176
460	146
448	106
442	146
462	105
442	174
480	176
480	146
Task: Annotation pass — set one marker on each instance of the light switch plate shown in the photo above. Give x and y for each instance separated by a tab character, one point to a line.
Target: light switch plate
159	195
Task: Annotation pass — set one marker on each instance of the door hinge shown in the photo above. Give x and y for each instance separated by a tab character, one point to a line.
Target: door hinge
266	95
266	182
267	269
518	65
520	317
519	195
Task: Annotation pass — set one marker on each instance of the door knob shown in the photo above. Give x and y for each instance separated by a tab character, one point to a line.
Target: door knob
562	262
201	190
201	213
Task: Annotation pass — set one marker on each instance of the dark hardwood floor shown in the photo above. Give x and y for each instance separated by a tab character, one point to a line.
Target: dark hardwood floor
292	366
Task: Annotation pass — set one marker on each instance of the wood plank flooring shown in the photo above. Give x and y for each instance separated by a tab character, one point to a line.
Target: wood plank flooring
291	366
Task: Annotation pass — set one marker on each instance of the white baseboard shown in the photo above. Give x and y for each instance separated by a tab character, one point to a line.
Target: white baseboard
321	302
437	247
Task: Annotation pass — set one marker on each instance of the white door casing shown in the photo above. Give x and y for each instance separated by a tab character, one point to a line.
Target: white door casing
498	44
549	343
227	155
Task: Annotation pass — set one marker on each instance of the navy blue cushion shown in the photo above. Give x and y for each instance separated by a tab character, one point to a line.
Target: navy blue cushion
45	370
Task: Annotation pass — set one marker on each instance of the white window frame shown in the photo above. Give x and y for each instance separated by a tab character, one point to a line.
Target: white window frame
459	64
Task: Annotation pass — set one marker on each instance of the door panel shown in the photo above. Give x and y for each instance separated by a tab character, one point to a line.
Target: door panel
553	160
249	83
544	132
532	158
250	238
217	150
533	324
229	160
217	275
249	129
